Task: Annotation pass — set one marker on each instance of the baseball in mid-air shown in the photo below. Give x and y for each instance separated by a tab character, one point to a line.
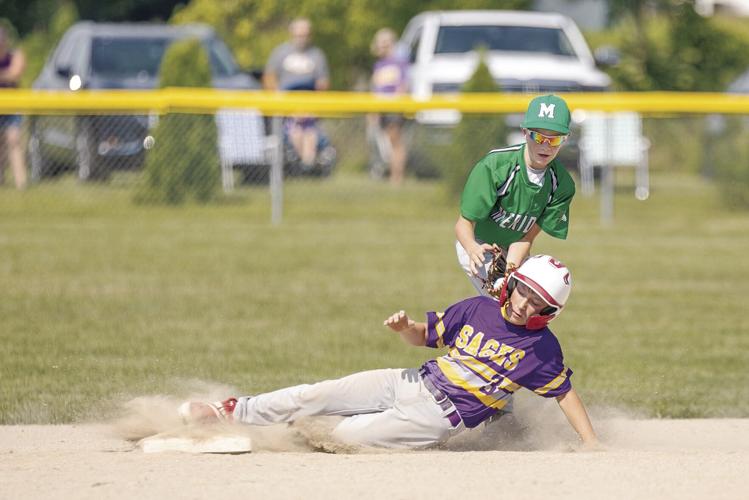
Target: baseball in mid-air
148	142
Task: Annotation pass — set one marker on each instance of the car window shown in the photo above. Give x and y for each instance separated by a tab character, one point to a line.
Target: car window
141	57
459	39
126	57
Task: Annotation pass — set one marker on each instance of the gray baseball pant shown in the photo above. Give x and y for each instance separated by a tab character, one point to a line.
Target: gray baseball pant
388	408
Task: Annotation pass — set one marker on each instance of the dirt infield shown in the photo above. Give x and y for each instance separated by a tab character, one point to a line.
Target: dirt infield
643	459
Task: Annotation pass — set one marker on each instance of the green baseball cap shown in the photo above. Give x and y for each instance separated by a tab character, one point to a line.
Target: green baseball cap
549	112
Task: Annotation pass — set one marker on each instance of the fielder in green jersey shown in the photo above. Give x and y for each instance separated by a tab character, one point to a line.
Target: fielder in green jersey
515	192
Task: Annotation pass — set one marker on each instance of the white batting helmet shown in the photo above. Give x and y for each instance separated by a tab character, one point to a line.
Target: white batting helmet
549	278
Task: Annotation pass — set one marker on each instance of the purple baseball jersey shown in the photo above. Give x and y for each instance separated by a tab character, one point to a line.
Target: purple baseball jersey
490	358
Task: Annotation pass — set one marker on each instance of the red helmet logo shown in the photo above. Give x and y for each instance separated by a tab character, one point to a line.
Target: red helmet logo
554	262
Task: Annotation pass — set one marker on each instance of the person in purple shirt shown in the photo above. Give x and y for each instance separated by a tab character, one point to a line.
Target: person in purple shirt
495	346
390	78
12	65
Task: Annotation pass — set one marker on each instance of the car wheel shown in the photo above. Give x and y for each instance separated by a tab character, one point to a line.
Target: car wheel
326	160
255	174
91	167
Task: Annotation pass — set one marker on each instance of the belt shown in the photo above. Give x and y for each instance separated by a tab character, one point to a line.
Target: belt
441	399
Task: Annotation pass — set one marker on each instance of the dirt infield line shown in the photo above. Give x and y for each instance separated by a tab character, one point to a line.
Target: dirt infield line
644	459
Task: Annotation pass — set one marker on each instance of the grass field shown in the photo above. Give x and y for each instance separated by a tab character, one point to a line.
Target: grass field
102	300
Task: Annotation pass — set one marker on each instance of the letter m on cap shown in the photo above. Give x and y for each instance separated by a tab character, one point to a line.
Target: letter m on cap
546	110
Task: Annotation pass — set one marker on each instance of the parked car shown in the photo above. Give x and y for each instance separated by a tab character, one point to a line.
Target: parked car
128	56
526	52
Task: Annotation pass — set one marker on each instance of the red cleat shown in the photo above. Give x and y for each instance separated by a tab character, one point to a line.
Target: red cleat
199	412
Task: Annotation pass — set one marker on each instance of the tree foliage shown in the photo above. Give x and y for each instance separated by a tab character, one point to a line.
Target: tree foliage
730	162
39	43
184	161
28	15
127	10
706	56
343	29
664	44
671	47
33	15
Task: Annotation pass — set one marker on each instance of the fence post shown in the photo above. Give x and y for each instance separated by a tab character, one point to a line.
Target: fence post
276	171
607	194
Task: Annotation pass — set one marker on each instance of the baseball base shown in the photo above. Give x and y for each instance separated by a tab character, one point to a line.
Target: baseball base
213	444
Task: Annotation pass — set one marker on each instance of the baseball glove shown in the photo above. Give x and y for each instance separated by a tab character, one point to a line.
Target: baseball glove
497	270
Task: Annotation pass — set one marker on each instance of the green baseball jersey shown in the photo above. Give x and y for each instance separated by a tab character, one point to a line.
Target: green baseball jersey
504	203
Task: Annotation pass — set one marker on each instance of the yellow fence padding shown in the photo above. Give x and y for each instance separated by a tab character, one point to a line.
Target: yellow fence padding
182	100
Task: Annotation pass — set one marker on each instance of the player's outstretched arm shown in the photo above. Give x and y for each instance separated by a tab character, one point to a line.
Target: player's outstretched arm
574	410
412	332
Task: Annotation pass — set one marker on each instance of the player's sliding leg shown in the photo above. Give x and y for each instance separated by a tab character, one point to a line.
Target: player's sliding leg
415	421
364	392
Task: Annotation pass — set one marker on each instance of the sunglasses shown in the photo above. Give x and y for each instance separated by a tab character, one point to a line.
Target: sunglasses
553	140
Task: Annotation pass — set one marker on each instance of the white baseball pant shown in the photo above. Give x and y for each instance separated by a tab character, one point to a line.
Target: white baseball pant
388	408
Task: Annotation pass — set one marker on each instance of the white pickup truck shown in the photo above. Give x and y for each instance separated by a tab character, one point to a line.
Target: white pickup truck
526	52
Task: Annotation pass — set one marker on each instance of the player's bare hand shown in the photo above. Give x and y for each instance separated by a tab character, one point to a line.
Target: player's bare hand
398	321
476	256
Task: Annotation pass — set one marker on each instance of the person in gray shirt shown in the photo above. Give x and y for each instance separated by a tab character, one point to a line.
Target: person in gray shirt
298	65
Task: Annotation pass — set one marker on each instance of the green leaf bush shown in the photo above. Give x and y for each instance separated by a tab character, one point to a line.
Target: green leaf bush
730	162
183	163
473	137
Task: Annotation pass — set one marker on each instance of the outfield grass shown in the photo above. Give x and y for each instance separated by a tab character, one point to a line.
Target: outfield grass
102	300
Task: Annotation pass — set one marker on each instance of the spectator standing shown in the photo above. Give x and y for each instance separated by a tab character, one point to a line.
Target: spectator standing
389	77
298	65
12	65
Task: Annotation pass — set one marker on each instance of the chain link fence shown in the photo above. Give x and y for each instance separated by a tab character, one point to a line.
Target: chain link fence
175	157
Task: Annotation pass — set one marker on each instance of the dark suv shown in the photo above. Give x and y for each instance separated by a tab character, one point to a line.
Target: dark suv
127	56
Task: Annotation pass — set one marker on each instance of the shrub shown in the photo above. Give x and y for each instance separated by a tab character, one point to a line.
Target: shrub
730	162
676	49
473	137
677	143
184	161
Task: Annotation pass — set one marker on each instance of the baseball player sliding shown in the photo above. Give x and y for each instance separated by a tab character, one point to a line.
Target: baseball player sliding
495	347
